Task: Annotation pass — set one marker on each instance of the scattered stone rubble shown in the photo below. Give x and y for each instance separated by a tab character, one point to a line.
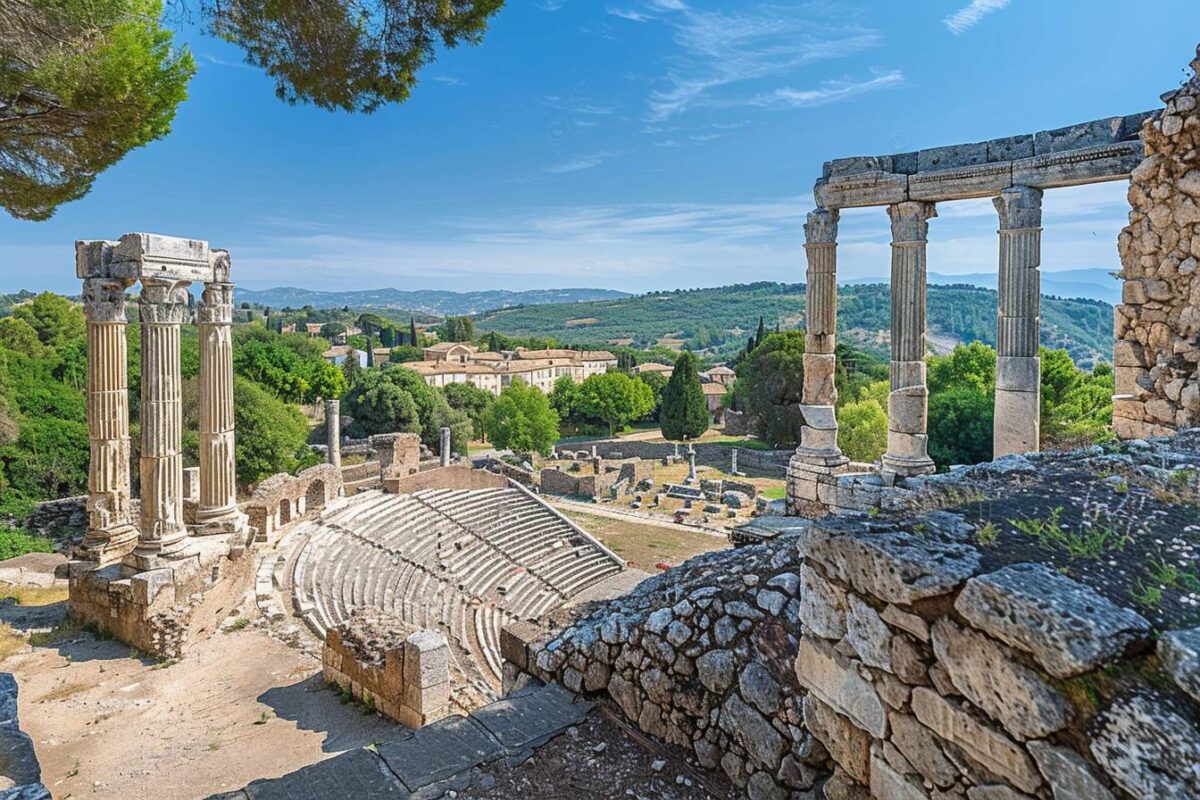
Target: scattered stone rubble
895	657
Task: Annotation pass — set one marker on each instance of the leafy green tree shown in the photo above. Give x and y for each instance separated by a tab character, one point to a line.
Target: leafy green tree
404	353
354	55
770	382
19	336
271	435
960	425
395	399
290	365
615	398
82	83
457	329
472	401
971	365
55	318
564	398
351	369
16	542
330	331
658	385
521	419
684	411
862	430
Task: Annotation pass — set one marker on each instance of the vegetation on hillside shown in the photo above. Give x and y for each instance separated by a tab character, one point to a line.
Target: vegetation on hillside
717	322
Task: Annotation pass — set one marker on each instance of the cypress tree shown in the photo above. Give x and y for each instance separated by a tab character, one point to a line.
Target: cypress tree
684	413
758	337
370	352
412	332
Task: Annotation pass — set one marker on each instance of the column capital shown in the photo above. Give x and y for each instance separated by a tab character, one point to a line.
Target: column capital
216	304
1019	207
104	299
821	226
163	300
910	220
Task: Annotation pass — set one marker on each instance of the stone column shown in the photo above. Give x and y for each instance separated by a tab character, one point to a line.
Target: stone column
1018	367
908	403
444	447
217	511
163	306
818	436
333	432
111	531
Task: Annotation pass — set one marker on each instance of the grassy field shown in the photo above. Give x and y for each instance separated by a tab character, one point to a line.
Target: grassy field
643	546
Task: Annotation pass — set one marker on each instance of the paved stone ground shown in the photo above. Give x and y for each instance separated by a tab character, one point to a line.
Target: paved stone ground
541	740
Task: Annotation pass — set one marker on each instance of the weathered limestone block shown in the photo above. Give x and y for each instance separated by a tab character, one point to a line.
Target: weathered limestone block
716	670
1180	655
848	745
987	675
1148	748
822	605
1068	774
1068	627
898	566
989	747
868	635
888	784
837	682
920	747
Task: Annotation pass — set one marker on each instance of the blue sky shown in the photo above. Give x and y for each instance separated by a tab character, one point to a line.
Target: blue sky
629	144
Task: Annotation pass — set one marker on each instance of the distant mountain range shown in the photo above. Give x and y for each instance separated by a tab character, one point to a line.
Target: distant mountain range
1090	284
429	301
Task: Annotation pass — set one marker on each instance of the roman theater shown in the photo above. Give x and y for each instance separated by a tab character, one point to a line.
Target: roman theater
874	641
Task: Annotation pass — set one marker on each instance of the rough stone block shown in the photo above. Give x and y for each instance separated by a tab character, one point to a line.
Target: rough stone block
822	605
426	659
989	747
1068	774
1018	373
1148	748
921	748
908	411
838	684
1179	652
868	635
1016	423
990	677
849	745
888	784
1068	627
952	156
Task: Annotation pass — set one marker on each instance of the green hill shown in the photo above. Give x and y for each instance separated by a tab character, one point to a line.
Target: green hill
717	321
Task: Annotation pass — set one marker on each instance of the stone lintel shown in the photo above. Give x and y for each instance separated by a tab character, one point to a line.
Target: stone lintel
152	255
1111	162
864	189
963	183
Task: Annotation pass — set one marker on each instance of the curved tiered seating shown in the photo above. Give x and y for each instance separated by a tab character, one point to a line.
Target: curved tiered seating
465	561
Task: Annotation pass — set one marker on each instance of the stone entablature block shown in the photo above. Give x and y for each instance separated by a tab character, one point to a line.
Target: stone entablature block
1101	150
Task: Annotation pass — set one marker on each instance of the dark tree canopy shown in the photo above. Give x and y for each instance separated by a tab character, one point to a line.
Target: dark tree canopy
354	55
81	84
684	411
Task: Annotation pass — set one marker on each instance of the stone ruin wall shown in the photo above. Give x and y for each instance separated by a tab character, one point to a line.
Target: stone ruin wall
879	659
385	663
1157	325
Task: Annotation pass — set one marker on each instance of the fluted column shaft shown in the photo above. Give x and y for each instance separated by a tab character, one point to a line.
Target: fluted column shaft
218	466
110	530
818	436
908	402
1018	368
163	307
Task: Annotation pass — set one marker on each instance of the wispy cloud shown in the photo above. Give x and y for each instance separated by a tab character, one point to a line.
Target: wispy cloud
220	62
579	163
970	15
752	48
630	14
449	80
828	92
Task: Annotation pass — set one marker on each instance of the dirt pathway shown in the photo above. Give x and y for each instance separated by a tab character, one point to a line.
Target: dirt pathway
240	707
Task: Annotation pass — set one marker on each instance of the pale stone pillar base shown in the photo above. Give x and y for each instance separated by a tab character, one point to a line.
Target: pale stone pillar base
1017	422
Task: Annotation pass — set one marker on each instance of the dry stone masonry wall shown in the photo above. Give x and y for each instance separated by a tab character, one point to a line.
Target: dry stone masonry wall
1157	325
857	657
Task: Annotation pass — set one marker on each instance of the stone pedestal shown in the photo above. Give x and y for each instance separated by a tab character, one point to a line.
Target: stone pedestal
111	532
1018	367
818	436
907	450
217	511
163	306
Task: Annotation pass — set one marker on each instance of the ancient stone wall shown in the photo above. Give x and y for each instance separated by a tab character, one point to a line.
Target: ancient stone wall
385	663
773	462
895	658
282	500
1157	325
453	477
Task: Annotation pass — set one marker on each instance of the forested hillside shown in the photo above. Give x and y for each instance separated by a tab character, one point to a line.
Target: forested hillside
718	320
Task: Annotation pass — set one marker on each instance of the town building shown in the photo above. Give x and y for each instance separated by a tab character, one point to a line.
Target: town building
462	362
